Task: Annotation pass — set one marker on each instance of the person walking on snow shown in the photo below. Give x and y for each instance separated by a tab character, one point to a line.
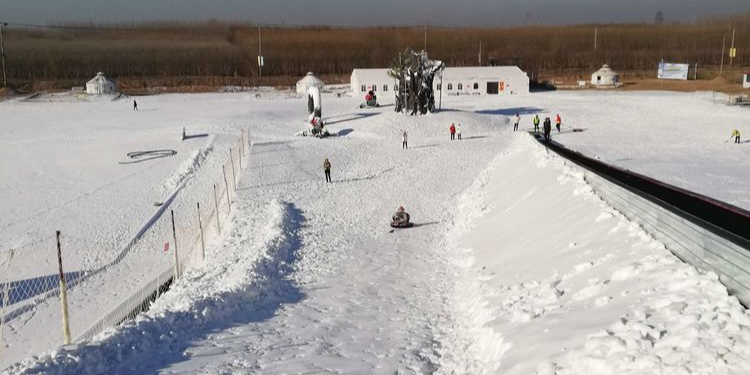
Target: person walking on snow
515	124
547	129
458	131
327	169
453	131
404	145
558	122
536	124
135	105
736	135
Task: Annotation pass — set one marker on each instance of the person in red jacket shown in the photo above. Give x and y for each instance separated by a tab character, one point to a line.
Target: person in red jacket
453	131
558	122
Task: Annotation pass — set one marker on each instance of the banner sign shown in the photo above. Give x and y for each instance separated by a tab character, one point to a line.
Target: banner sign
673	71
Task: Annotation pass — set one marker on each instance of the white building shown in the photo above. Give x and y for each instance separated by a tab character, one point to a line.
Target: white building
605	77
377	80
484	80
746	80
100	85
309	80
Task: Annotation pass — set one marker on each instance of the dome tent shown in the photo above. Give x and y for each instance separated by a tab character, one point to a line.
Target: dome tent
605	77
310	80
100	85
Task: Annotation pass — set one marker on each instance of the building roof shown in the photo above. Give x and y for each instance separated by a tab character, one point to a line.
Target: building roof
371	75
605	70
480	72
99	79
310	80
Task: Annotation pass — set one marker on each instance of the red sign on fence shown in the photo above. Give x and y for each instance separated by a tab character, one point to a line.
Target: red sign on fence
166	247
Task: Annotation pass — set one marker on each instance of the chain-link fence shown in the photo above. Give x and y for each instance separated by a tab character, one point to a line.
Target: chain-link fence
57	289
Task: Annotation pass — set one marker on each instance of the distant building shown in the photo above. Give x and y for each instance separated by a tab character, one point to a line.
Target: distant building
483	80
100	85
309	80
377	80
605	77
746	80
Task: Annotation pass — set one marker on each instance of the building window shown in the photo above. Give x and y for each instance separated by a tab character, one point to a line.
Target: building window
460	86
374	88
385	88
363	88
476	86
450	86
439	86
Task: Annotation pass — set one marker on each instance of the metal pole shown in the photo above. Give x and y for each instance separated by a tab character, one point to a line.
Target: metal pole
200	226
63	294
731	56
723	48
425	38
234	178
440	101
224	172
216	203
480	53
596	34
260	55
2	53
176	258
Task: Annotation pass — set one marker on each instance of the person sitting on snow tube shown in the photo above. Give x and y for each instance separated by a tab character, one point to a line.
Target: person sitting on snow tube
370	99
400	218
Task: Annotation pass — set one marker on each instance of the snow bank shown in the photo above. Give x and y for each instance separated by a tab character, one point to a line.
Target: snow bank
249	268
575	288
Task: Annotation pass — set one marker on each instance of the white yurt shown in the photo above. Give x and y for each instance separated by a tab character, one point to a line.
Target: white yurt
310	80
605	77
100	85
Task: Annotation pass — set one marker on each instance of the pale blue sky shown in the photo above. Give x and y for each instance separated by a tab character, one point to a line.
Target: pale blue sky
367	13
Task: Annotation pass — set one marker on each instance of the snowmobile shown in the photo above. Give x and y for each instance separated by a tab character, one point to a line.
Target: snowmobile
371	101
401	219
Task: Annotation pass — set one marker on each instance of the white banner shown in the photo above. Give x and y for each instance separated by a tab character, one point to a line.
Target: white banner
673	71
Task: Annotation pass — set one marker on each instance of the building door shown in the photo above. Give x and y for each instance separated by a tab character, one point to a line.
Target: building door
492	88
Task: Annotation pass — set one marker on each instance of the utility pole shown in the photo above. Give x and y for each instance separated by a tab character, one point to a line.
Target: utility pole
732	50
480	53
425	38
2	53
260	55
723	48
596	32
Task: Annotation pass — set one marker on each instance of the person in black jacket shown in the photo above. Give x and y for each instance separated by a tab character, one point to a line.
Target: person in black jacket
547	128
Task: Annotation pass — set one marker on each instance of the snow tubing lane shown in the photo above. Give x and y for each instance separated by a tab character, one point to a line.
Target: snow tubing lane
725	220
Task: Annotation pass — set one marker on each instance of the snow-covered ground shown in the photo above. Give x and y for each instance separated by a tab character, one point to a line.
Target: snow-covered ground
514	265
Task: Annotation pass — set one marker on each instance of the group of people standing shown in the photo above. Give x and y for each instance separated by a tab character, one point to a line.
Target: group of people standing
455	130
547	126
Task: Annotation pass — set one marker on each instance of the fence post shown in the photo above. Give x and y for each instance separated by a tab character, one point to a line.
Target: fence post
241	152
216	203
63	294
176	258
6	297
229	202
234	178
200	226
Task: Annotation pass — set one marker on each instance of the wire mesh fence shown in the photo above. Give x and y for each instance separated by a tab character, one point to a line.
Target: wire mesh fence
53	292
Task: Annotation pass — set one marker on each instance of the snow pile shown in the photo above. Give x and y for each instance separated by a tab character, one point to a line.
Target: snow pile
249	269
577	289
188	168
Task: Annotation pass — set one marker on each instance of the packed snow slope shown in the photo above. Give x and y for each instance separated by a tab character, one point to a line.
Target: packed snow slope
514	264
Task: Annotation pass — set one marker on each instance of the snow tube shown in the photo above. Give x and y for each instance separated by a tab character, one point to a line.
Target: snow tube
401	225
